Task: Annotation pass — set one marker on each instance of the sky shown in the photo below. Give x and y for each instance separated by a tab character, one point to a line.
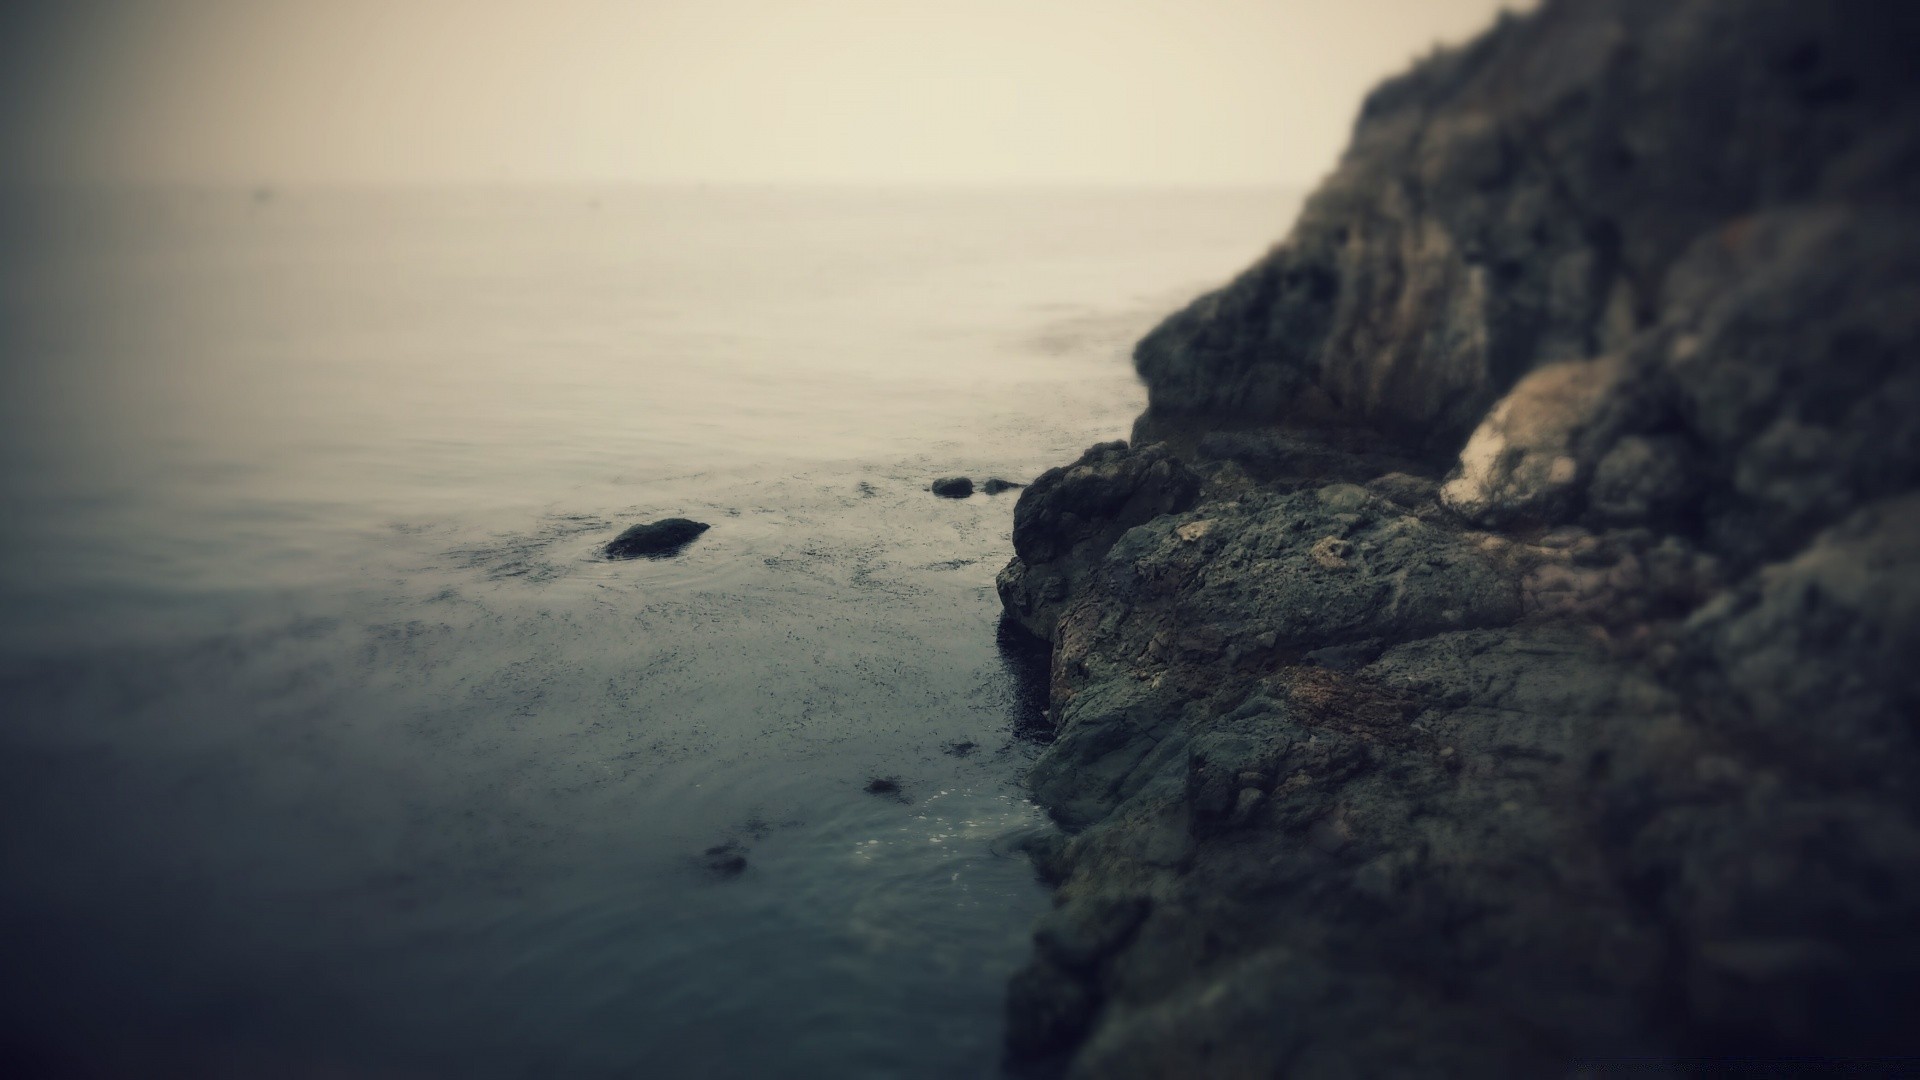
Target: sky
1149	92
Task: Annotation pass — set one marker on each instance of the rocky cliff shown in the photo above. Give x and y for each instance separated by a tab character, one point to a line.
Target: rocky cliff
1497	649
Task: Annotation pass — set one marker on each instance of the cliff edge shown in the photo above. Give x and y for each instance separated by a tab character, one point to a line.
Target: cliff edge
1495	651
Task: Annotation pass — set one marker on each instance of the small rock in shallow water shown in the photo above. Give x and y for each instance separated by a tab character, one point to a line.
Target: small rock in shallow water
996	485
657	539
960	748
953	487
726	860
883	785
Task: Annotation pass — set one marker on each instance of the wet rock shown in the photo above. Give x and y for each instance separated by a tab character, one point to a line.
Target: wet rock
883	785
1048	852
658	539
1084	932
996	485
728	860
1048	1011
953	487
960	748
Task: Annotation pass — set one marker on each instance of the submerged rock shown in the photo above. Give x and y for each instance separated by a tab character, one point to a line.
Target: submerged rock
953	487
656	539
728	860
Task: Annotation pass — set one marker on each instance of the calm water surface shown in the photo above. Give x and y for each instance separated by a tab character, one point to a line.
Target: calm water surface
332	748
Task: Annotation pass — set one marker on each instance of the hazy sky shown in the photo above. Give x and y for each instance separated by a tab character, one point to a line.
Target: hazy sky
870	91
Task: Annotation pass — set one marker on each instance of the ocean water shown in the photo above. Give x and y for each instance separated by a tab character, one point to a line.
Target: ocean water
332	747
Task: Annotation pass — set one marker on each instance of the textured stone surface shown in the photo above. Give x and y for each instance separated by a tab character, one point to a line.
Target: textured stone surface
1497	648
1068	517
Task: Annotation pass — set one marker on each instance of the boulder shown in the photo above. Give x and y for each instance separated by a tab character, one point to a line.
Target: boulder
1530	459
953	487
655	540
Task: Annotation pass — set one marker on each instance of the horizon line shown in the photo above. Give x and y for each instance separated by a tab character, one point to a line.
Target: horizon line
279	187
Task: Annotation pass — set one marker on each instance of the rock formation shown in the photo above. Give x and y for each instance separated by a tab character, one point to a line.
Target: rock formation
1495	650
655	539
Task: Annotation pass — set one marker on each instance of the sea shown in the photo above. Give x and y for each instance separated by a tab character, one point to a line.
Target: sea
331	745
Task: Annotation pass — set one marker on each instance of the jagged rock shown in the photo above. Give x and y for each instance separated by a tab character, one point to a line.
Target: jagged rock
1070	516
1612	754
953	487
658	539
1257	587
1519	200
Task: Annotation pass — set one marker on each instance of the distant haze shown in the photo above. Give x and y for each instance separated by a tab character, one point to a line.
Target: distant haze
730	91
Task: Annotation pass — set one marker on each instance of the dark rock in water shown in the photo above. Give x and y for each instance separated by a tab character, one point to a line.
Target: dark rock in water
1026	660
883	785
960	748
726	860
1605	744
656	539
996	485
953	487
1048	1011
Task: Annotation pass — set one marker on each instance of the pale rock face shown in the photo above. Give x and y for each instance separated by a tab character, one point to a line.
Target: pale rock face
1527	458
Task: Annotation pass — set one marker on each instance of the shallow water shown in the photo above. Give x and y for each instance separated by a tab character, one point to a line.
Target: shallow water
332	747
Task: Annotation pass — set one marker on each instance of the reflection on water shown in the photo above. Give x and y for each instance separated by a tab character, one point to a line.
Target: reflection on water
333	745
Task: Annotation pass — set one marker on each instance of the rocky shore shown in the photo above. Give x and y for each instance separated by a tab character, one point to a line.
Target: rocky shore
1495	650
